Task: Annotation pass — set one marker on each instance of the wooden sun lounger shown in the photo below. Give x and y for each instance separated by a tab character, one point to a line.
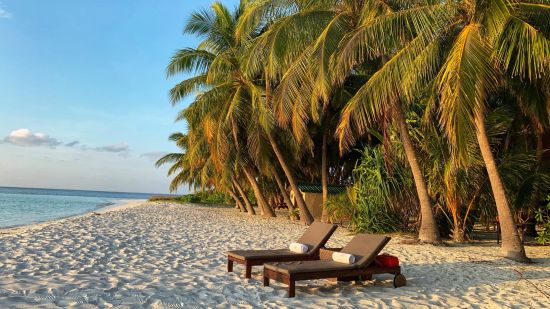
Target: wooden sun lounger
316	236
364	247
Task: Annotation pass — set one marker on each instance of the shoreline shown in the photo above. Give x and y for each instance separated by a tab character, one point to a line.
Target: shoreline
120	205
117	205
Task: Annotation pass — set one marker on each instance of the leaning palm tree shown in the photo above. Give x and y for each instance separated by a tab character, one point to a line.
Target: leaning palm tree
374	41
464	47
246	98
277	37
218	109
497	40
298	48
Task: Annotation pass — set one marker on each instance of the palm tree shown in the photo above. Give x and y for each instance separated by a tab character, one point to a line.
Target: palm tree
375	39
220	109
465	46
496	40
271	78
277	40
307	78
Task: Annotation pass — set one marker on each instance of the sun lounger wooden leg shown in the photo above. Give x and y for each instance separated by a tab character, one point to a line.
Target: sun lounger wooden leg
248	272
399	280
229	266
266	280
291	288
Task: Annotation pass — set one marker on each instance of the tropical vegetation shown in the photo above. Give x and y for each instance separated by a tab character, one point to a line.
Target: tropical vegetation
199	197
432	110
543	217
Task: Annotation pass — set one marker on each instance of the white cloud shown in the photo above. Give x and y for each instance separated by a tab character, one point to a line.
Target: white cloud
121	147
4	13
24	137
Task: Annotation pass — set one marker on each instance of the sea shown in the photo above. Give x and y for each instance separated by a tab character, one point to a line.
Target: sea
23	206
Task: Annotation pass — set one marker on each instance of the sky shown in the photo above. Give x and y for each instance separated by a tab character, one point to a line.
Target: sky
83	94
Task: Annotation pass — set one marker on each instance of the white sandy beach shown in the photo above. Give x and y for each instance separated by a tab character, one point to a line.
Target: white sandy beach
173	256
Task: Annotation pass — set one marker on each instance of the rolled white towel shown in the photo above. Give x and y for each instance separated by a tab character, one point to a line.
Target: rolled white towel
343	258
298	247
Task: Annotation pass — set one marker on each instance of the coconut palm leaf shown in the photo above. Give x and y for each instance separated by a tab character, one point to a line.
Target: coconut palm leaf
523	49
462	85
189	60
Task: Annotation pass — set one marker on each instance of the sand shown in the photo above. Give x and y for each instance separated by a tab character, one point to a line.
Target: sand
157	255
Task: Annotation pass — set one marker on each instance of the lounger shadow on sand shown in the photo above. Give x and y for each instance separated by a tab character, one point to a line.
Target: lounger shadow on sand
315	237
364	247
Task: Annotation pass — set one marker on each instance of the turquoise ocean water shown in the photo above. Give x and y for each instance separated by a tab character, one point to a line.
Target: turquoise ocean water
21	206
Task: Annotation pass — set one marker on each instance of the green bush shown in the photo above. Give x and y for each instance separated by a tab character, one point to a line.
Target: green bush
163	198
341	207
543	217
295	214
205	197
380	193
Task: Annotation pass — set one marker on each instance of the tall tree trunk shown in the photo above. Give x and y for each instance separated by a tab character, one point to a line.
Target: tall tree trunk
324	174
512	247
262	203
272	201
284	193
247	203
237	200
305	215
428	232
459	234
540	144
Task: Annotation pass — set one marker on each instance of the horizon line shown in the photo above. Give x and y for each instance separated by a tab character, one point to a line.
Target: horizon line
100	191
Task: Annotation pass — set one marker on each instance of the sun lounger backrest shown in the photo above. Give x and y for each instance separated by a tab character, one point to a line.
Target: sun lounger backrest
365	247
317	235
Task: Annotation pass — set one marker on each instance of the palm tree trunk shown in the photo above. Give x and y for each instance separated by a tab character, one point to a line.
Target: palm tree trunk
428	232
512	247
324	175
272	201
262	203
284	193
305	215
540	144
237	200
247	203
459	235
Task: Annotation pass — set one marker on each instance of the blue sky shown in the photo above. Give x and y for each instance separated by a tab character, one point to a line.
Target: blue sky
83	95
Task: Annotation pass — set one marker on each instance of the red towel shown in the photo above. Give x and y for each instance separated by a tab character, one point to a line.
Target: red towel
388	260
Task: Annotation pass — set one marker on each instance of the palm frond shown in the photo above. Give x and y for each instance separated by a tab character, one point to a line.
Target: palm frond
384	34
189	60
462	85
384	88
523	50
187	87
169	158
